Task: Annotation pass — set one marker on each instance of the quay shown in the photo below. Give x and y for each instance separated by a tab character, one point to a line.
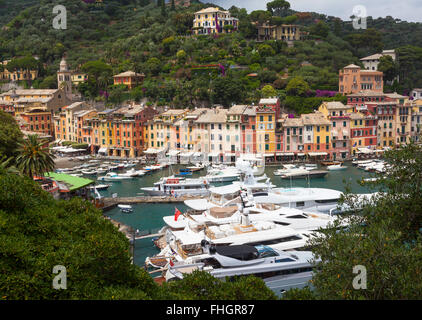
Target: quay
112	202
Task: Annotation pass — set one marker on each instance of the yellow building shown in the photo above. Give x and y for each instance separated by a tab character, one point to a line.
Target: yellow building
284	32
265	130
129	78
78	78
17	75
357	125
320	126
212	20
161	132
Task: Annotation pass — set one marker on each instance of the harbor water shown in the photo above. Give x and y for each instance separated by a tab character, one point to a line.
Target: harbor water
147	217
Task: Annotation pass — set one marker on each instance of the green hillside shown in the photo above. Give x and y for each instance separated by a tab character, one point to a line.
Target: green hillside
156	40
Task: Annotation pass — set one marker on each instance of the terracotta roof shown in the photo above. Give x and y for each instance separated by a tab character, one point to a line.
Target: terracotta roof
293	122
367	93
268	101
373	57
351	66
237	109
129	74
335	105
315	119
216	115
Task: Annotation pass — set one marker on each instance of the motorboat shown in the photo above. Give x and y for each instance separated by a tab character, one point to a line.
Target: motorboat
184	172
254	162
100	187
287	168
280	271
335	167
130	173
175	186
89	172
125	208
112	176
196	167
223	175
311	166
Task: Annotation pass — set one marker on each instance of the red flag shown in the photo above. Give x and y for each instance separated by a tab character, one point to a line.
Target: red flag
177	213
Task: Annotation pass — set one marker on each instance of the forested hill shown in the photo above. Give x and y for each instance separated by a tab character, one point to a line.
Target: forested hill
156	40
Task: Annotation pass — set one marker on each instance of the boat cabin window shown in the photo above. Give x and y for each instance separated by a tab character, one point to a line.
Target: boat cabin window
282	223
264	275
265	252
297	216
300	204
260	194
327	201
212	262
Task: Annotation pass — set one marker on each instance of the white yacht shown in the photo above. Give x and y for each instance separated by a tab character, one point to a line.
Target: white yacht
297	219
175	186
336	167
279	270
224	175
181	244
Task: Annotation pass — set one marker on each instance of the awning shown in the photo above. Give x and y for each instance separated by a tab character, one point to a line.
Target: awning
186	154
152	151
173	153
269	155
300	154
230	154
287	154
315	154
214	154
197	154
365	150
102	150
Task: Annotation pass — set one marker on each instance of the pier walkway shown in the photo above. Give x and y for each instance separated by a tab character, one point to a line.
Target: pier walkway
108	202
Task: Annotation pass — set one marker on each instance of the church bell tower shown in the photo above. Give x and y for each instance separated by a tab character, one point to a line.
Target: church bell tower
64	79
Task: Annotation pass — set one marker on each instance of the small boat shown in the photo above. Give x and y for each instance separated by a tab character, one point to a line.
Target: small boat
196	167
129	173
100	187
125	208
334	167
184	172
89	172
311	166
329	163
112	176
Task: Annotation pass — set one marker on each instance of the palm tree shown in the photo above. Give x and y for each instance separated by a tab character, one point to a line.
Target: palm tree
33	159
7	165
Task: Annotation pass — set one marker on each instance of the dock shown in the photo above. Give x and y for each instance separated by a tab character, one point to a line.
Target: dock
111	202
131	234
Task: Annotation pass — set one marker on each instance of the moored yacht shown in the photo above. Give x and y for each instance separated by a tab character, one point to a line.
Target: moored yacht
279	270
175	186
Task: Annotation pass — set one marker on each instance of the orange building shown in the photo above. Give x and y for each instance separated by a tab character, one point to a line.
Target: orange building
352	80
39	121
129	78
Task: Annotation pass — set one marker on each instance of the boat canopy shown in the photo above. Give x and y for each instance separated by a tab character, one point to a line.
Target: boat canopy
102	150
239	252
229	189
